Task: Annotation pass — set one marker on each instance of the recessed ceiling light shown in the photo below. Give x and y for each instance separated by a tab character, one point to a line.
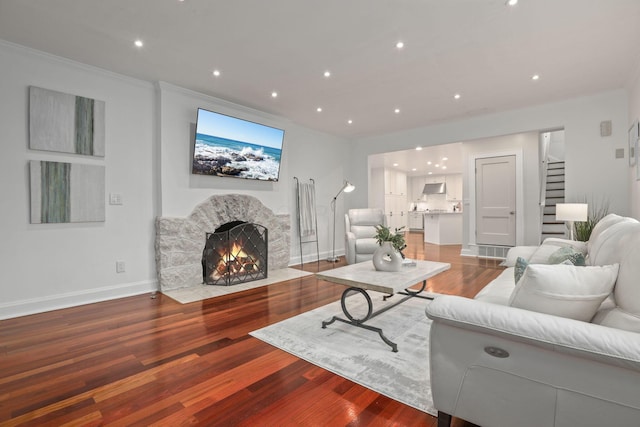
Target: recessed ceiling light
445	158
327	73
456	96
418	148
429	162
319	109
138	43
216	73
350	121
444	167
400	45
274	94
535	77
395	164
437	165
397	111
511	2
430	173
414	169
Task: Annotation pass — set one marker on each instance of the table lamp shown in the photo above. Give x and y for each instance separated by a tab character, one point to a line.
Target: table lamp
572	212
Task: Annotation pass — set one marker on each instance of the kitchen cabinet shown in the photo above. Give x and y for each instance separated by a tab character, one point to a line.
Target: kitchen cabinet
415	220
417	185
395	211
388	191
443	228
454	187
434	179
395	183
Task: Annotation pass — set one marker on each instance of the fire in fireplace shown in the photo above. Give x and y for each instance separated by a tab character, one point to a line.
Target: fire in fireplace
236	252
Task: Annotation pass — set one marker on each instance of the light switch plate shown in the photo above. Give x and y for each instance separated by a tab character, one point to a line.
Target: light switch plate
115	199
120	267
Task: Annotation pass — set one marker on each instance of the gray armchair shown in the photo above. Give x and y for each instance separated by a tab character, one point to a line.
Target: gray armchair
360	227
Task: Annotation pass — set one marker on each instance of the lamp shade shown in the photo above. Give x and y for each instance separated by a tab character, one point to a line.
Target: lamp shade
349	187
572	212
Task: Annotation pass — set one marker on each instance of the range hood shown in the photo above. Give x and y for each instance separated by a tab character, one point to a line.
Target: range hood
437	188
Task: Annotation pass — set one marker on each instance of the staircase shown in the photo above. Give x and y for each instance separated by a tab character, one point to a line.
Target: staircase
554	194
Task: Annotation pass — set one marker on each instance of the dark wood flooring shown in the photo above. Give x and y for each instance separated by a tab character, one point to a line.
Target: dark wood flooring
142	361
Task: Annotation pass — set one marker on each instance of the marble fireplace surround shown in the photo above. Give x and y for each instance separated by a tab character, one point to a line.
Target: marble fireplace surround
180	241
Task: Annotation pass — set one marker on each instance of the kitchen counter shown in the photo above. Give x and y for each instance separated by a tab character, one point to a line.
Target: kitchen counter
441	213
443	228
436	212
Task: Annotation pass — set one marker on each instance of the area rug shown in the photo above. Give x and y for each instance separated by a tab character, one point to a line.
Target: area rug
201	292
359	354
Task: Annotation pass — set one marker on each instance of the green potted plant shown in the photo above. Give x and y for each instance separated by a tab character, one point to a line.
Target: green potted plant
389	256
384	234
582	229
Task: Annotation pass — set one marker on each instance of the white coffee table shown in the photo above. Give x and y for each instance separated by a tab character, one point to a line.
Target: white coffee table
363	277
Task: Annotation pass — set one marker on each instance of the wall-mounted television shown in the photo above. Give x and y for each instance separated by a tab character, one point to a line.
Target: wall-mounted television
231	147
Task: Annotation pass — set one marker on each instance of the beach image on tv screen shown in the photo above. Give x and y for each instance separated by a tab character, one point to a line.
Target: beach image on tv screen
228	146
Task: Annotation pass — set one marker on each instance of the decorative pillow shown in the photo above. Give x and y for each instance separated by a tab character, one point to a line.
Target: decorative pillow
518	271
564	290
521	265
518	251
567	253
557	241
542	254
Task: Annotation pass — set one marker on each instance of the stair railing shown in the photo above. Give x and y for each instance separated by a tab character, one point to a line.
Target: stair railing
545	139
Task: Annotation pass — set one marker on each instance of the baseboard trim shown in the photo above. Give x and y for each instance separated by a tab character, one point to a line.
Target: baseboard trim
307	258
468	252
73	299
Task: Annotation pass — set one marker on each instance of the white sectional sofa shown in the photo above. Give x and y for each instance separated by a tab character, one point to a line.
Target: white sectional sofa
517	355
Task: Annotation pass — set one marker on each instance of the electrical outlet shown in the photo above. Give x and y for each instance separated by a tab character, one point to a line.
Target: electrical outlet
120	267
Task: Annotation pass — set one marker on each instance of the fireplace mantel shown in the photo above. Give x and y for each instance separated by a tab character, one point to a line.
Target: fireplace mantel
180	241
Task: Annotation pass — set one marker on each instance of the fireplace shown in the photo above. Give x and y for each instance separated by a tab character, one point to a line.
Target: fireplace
236	252
179	241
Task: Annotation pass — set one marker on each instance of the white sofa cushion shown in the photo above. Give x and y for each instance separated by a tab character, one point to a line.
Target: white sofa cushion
601	226
499	289
606	244
363	231
564	290
516	252
366	246
614	317
544	252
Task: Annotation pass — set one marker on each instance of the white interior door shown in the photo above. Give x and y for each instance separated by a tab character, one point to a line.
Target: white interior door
496	201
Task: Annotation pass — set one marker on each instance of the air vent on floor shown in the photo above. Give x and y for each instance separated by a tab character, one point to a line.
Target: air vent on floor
499	252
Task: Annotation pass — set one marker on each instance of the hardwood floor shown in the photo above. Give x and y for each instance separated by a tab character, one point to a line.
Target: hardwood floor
143	361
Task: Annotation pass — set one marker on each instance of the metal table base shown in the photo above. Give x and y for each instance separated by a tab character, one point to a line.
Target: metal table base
360	322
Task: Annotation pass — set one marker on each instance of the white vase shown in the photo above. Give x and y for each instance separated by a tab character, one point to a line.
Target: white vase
387	258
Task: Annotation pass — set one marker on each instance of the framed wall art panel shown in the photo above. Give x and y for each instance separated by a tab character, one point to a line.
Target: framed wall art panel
66	192
66	123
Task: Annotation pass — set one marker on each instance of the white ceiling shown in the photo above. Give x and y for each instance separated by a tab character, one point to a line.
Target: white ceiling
481	49
427	161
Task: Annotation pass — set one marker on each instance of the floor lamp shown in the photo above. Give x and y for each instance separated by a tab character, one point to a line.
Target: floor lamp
347	188
572	212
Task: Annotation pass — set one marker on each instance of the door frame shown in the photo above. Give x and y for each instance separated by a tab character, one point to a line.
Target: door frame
471	173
